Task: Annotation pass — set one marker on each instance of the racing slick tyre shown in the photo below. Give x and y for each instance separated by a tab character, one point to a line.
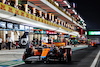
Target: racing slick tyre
69	58
69	54
28	62
46	60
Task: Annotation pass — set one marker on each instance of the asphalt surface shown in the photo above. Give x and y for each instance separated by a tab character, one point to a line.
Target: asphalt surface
98	63
80	58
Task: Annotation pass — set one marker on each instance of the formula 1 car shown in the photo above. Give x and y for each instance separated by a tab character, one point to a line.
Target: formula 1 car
48	53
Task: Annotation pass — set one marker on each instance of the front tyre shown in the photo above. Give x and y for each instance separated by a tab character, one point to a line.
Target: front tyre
28	62
69	54
46	60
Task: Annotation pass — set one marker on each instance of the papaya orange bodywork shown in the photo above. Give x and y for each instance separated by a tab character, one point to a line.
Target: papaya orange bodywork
45	51
36	52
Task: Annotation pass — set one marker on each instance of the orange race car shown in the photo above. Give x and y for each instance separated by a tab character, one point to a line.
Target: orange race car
48	53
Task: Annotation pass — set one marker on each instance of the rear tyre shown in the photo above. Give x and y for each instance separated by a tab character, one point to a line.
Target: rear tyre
28	62
68	54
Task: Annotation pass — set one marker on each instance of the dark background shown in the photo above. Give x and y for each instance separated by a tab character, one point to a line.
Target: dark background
89	10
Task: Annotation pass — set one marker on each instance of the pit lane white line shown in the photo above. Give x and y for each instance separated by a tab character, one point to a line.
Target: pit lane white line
95	60
16	64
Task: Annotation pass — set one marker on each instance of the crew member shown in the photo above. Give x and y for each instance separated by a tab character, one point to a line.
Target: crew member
0	42
9	42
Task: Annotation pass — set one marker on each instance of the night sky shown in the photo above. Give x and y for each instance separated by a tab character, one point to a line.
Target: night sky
89	10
